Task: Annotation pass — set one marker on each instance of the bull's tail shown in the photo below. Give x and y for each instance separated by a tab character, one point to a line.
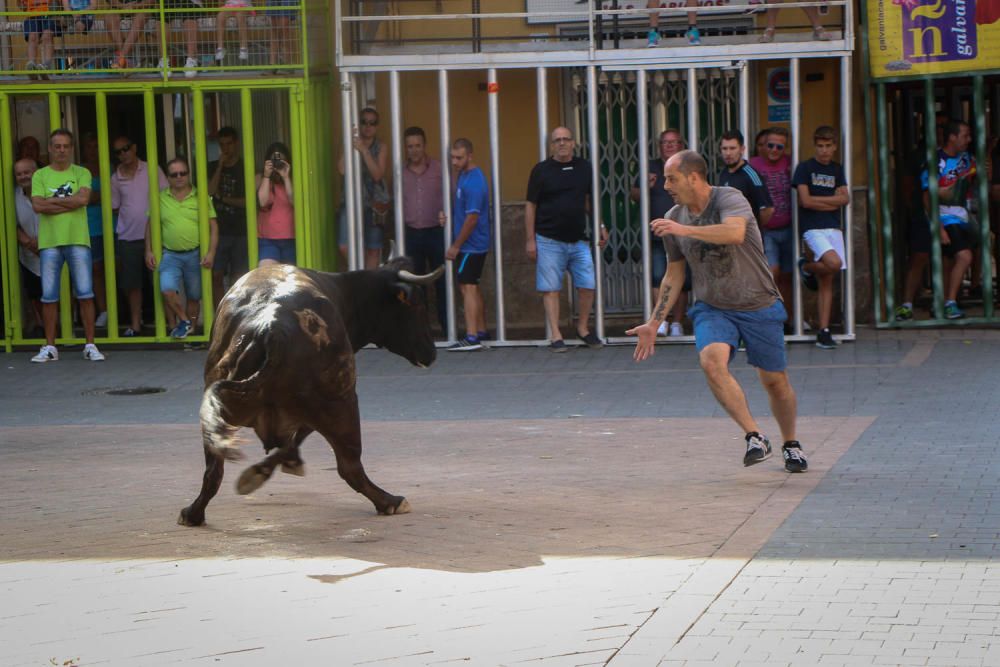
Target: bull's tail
229	403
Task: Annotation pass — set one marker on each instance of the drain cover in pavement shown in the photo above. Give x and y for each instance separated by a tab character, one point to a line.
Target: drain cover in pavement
126	391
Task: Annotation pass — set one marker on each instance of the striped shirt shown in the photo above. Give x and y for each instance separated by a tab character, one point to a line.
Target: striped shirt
749	182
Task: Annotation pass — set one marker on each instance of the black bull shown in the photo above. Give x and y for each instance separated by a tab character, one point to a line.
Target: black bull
281	362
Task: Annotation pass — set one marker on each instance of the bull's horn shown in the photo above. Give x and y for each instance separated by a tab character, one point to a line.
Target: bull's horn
425	279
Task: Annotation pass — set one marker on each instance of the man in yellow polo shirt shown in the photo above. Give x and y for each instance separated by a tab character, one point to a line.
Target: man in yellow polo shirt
181	247
59	195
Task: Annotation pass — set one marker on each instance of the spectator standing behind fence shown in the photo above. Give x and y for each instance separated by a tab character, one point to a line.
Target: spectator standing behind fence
130	199
38	31
956	175
740	175
27	240
227	188
470	212
423	200
811	13
779	241
241	28
59	194
276	217
822	188
95	224
28	147
660	202
556	234
181	236
375	200
692	34
282	37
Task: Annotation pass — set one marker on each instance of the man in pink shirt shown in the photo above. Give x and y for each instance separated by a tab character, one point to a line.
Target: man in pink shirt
130	199
423	201
779	242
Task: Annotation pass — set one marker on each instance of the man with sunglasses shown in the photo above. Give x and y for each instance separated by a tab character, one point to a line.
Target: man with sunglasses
182	263
130	200
779	240
556	234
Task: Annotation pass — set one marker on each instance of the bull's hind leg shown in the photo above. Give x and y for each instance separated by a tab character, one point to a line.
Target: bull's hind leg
284	452
194	514
341	426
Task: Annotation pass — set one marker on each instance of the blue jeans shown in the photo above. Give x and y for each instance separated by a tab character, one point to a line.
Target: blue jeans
178	267
762	331
557	257
373	234
426	248
779	247
278	250
77	257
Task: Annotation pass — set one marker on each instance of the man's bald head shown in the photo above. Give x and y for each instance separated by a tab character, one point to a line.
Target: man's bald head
24	169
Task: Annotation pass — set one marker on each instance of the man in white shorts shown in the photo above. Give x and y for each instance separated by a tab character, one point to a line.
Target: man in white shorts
822	189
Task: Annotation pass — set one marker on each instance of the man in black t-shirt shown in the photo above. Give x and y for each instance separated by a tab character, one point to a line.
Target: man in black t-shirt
227	188
556	234
740	175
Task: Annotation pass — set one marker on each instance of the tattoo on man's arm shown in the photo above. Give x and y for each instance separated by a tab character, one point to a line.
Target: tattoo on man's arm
661	306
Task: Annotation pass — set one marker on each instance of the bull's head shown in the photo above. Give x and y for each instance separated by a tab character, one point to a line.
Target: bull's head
407	331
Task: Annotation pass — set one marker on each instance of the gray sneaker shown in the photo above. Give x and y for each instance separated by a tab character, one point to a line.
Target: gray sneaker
758	448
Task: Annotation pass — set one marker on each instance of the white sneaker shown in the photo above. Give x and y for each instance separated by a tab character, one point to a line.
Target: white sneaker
244	54
662	330
47	353
220	54
189	66
91	353
102	320
676	329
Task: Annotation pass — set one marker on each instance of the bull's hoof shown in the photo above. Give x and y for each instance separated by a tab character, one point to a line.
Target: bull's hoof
252	479
401	507
297	468
189	518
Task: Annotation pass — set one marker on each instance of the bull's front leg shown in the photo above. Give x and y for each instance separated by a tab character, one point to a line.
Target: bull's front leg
341	426
194	514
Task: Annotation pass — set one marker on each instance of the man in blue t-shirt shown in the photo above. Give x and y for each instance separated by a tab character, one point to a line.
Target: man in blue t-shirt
822	189
470	213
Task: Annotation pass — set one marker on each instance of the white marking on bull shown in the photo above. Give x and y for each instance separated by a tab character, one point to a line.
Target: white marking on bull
314	327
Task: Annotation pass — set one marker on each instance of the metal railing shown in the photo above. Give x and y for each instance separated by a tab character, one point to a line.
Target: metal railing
153	40
419	27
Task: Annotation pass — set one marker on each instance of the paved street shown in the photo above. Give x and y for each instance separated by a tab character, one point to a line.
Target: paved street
574	509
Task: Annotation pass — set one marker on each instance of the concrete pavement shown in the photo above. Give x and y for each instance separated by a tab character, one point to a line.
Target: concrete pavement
573	509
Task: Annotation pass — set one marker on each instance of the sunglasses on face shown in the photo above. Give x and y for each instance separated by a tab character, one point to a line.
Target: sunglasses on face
369	123
124	149
779	147
177	174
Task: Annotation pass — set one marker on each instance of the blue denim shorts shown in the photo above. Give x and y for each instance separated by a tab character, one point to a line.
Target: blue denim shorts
779	247
762	331
178	267
557	257
77	257
373	234
276	250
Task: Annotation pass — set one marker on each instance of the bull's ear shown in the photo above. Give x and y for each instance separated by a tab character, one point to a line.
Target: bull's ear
404	293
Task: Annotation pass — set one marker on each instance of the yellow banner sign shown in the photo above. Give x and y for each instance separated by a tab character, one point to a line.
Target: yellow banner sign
919	37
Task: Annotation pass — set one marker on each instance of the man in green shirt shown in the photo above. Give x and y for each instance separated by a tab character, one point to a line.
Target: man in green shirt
181	261
60	194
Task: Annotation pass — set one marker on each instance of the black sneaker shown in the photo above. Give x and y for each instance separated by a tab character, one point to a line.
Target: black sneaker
466	344
558	346
591	340
824	340
795	460
808	279
758	448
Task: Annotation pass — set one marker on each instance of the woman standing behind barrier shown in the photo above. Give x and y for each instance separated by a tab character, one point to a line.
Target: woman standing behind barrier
375	199
276	218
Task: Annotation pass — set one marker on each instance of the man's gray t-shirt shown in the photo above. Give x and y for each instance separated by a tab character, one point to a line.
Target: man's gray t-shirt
730	277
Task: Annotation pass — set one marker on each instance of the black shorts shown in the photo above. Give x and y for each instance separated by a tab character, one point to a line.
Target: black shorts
183	16
469	267
131	256
231	258
920	233
32	284
962	238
